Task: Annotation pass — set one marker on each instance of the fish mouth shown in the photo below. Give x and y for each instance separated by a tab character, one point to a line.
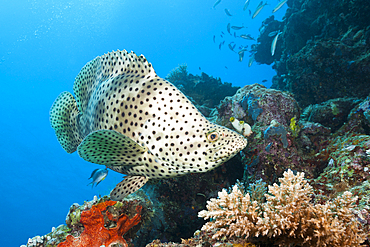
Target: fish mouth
225	152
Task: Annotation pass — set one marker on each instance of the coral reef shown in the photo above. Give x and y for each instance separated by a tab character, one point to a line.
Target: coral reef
296	144
276	129
323	51
335	156
263	48
322	64
51	239
279	140
100	231
287	217
332	113
255	103
177	201
99	222
204	91
204	239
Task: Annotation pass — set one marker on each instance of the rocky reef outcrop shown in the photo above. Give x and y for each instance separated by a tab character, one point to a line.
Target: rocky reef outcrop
203	90
334	156
100	222
323	52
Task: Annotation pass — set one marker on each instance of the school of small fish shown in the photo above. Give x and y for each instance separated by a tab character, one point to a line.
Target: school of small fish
220	39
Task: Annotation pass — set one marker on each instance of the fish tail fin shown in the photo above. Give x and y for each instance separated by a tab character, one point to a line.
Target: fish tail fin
63	118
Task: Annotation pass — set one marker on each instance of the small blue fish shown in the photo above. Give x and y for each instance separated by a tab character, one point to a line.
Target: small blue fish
231	47
228	12
279	5
216	3
274	42
246	36
237	27
251	60
273	33
228	27
246	5
259	8
241	55
98	175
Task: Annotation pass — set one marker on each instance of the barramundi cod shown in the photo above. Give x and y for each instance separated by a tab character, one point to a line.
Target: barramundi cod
127	118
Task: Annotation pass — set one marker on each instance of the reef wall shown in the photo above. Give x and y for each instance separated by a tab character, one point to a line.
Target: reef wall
323	52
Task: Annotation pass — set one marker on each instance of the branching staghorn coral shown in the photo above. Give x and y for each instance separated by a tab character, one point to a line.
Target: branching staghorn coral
287	217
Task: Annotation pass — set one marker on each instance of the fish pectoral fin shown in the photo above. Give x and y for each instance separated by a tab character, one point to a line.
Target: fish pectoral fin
129	185
108	147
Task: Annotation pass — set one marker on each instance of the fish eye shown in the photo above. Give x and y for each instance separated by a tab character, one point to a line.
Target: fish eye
212	136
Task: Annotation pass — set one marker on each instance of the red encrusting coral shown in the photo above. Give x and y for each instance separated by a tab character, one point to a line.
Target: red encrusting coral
95	234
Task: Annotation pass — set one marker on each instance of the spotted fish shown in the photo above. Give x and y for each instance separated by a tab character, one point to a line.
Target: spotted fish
127	118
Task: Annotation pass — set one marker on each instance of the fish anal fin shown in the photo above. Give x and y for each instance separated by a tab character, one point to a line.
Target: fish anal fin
108	147
129	185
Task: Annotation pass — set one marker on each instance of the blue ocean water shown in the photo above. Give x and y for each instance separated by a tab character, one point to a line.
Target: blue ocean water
43	46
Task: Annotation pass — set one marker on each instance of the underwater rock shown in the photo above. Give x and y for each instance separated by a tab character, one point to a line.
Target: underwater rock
357	120
268	154
204	91
256	104
103	226
328	69
363	110
332	113
323	52
313	137
253	217
333	162
348	168
51	239
177	201
276	129
203	239
348	164
250	104
99	222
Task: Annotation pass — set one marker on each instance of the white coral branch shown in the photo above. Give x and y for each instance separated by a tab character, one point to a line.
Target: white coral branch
287	215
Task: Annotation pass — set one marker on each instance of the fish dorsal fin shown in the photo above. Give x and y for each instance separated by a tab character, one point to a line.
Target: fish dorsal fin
129	185
110	65
108	147
92	174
